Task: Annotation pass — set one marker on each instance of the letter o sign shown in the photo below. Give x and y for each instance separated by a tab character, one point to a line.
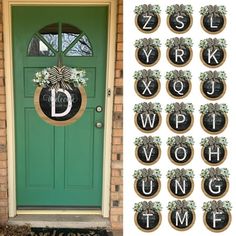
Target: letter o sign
61	107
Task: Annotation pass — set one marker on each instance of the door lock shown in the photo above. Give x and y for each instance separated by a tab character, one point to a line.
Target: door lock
98	109
99	124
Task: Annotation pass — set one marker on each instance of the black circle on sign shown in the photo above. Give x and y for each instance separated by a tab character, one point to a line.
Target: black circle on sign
181	126
186	56
181	154
222	215
214	157
219	88
148	127
174	24
182	225
154	221
219	181
61	103
141	88
152	24
153	57
188	187
217	21
142	155
147	187
220	122
219	55
178	85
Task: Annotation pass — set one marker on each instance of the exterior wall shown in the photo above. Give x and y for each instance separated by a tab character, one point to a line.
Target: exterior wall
3	127
116	214
117	163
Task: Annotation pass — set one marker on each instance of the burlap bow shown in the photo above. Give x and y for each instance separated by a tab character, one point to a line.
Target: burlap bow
147	207
214	108
179	75
213	142
147	75
179	107
148	141
180	174
147	174
148	108
213	11
213	75
214	172
181	205
179	43
217	206
179	10
148	9
180	140
148	44
213	43
59	77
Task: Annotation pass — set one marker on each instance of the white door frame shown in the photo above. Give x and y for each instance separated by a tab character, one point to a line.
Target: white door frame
8	54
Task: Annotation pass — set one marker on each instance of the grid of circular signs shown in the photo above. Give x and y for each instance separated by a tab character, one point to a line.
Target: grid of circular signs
180	116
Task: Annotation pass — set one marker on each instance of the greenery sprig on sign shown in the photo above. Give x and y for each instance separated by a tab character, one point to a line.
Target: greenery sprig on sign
147	74
145	107
213	10
217	206
179	10
180	173
213	75
150	9
147	43
179	75
181	205
179	107
147	174
179	43
215	172
214	108
214	142
148	207
213	43
180	140
148	141
60	77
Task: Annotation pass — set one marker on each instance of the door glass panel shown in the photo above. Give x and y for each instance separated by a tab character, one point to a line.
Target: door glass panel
69	34
81	48
50	34
38	48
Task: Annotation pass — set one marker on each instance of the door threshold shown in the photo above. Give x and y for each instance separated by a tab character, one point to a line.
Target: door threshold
58	212
61	221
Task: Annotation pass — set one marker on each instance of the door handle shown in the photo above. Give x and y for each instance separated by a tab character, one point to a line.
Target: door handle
99	125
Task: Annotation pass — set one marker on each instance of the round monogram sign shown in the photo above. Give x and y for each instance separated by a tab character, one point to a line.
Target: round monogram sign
60	107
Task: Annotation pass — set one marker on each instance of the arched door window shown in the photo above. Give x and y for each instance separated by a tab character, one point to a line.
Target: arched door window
57	39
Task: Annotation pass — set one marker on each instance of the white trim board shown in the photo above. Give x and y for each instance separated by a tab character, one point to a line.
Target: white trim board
8	65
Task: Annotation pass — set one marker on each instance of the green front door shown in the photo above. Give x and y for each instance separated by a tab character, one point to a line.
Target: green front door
59	166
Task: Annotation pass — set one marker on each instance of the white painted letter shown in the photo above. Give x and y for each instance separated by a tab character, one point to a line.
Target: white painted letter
217	186
176	153
212	55
145	27
143	187
53	103
215	219
179	121
179	21
147	54
148	215
179	54
178	218
148	120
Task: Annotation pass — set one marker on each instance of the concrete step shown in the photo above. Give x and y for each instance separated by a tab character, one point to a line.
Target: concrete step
62	221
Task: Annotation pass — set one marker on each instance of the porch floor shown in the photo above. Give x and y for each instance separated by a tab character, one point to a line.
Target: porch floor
61	221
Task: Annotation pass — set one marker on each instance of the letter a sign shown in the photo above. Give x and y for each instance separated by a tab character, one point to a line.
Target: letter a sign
62	106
